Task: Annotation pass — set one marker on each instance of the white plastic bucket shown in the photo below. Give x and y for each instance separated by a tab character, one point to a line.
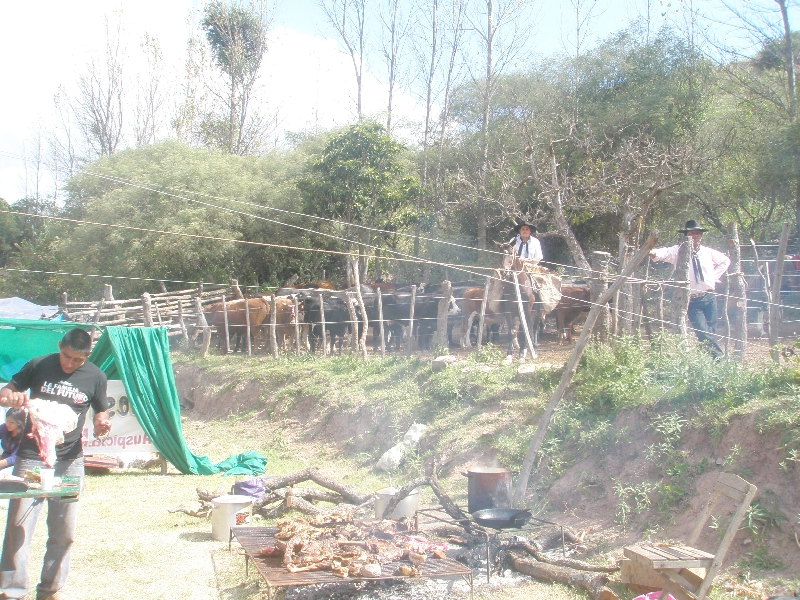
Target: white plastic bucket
405	508
223	514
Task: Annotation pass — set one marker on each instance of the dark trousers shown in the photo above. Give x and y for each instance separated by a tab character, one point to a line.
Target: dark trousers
702	315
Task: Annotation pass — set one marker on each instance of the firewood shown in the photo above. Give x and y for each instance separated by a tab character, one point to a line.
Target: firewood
570	563
592	583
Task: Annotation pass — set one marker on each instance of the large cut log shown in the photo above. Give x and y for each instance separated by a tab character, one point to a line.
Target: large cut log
593	583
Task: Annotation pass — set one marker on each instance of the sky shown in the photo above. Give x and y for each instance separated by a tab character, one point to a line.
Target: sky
306	80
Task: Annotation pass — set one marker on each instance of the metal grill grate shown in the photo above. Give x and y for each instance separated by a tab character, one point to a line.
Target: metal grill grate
275	574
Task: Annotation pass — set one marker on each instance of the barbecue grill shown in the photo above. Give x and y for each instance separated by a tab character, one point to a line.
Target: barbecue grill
276	576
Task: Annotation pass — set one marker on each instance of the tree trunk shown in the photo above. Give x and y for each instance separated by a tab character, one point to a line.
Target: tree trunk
593	583
680	298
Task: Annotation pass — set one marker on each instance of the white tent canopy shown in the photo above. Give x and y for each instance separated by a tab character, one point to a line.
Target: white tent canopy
19	308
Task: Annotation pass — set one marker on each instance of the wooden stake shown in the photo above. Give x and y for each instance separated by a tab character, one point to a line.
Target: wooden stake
184	332
522	316
273	326
146	310
774	317
247	323
572	365
482	317
201	320
737	288
225	322
322	319
297	323
380	324
443	313
411	320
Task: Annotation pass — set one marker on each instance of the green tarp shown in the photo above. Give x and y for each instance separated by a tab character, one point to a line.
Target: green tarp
139	356
22	340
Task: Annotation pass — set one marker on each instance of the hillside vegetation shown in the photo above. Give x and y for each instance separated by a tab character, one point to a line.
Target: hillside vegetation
631	453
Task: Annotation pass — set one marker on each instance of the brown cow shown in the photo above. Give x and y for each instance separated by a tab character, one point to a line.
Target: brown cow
237	321
575	299
314	285
470	310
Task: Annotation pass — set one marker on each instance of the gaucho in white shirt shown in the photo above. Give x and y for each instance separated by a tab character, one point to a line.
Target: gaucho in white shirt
706	267
526	245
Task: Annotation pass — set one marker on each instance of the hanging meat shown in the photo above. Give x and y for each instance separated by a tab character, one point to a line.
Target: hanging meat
49	422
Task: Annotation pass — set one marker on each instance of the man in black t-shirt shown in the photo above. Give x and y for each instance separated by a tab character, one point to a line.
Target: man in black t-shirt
66	378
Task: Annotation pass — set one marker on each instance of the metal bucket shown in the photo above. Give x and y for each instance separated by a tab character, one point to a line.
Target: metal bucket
405	508
223	514
488	487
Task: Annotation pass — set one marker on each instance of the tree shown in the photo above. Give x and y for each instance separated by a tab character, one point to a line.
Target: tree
395	26
349	19
98	108
237	38
362	179
149	95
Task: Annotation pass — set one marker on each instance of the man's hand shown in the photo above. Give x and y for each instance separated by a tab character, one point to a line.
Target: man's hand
101	424
10	397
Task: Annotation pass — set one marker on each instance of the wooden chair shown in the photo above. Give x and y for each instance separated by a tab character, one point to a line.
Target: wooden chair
671	563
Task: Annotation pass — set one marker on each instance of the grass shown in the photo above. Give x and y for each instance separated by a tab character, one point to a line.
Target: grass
130	546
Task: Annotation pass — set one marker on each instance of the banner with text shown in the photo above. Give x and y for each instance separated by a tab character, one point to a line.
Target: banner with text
126	433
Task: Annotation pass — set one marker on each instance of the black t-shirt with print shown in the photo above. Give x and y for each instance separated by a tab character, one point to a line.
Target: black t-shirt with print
84	387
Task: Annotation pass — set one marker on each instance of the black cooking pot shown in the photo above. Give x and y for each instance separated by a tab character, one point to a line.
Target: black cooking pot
502	518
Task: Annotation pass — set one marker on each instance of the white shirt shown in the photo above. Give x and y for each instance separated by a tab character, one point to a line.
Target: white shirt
532	249
712	264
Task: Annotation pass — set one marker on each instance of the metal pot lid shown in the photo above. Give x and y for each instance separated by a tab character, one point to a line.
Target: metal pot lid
490	470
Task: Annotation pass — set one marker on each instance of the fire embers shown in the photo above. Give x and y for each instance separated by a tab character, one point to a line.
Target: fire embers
357	549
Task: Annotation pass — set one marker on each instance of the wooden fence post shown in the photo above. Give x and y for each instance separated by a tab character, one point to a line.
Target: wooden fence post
522	318
158	314
163	287
247	323
296	323
442	314
738	291
225	322
380	324
411	320
774	317
680	297
201	320
273	326
322	322
184	332
108	294
147	310
598	286
481	318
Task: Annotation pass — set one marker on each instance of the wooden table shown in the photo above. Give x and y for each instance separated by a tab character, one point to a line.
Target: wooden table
69	490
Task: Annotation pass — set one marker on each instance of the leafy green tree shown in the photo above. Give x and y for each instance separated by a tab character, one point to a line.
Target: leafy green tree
237	37
362	177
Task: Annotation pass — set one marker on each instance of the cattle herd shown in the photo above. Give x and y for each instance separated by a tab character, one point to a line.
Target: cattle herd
320	314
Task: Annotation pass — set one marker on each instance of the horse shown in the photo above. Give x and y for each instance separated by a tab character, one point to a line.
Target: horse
502	302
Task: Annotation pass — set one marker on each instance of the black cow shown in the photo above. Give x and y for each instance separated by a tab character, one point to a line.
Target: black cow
337	320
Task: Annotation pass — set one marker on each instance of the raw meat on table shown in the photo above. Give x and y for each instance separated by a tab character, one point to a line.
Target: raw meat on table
49	422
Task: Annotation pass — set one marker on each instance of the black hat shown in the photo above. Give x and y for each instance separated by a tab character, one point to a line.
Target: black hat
522	223
691	225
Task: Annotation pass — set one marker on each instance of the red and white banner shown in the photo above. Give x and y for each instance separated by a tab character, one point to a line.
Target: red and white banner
126	433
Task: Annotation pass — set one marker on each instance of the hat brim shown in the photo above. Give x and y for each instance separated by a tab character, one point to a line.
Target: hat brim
685	231
521	225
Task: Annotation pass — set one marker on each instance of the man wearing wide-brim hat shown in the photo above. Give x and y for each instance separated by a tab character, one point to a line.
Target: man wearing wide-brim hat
526	245
706	267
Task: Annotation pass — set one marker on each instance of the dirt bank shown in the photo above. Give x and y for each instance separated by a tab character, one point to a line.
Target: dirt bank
623	492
